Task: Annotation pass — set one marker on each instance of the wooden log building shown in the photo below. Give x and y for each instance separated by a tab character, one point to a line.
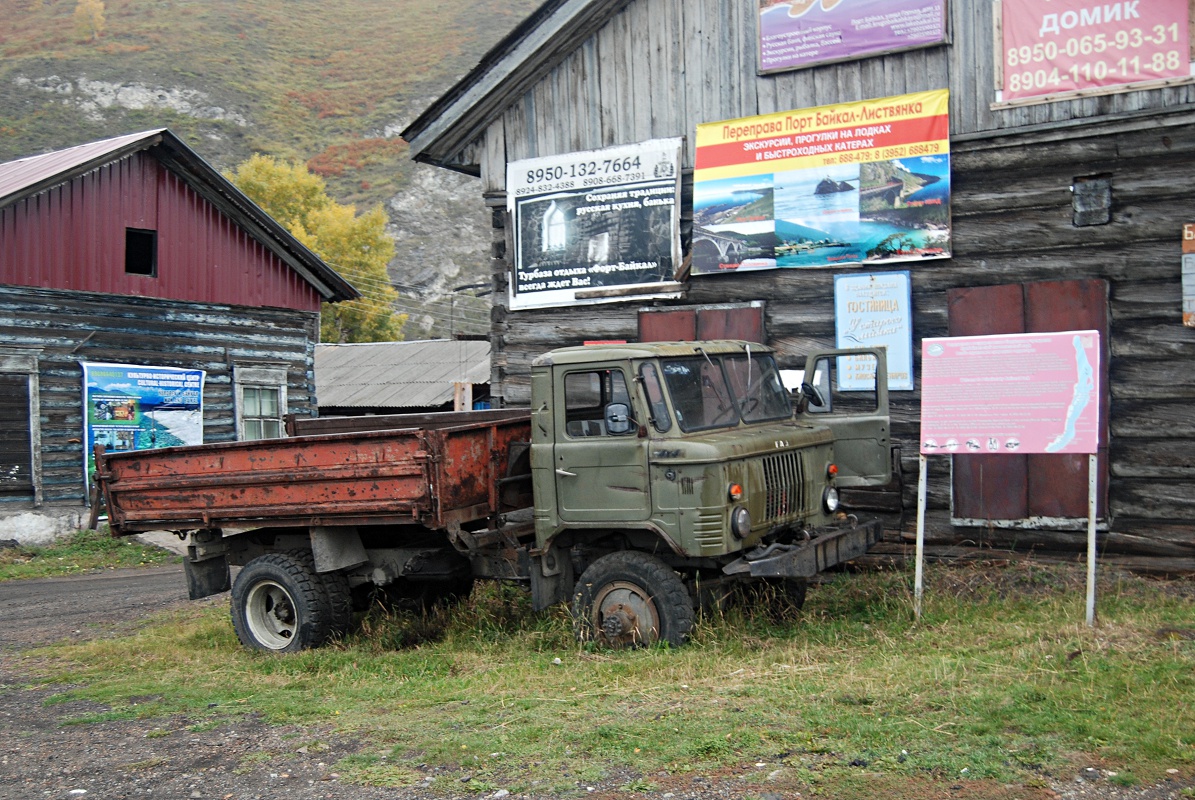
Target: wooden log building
134	250
1066	214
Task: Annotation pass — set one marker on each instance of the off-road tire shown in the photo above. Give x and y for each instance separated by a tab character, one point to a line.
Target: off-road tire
631	599
279	605
339	596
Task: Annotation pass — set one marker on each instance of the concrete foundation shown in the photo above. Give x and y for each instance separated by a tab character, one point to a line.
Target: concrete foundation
43	526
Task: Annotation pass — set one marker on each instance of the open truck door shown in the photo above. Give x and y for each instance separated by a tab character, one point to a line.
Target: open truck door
857	415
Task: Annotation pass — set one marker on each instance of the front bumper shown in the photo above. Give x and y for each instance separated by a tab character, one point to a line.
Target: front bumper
830	546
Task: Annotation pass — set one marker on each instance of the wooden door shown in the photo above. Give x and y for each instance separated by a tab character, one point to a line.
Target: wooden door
1051	487
16	454
703	322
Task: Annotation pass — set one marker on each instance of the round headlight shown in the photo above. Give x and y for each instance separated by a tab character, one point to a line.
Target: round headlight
740	522
830	499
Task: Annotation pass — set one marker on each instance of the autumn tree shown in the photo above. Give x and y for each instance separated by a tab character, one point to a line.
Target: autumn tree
355	245
89	19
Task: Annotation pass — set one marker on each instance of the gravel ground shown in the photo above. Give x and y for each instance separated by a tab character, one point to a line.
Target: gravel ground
42	756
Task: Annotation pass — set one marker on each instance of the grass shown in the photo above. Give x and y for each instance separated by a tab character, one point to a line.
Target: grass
84	551
1000	684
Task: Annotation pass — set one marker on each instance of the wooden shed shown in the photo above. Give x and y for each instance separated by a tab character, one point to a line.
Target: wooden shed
1067	212
135	254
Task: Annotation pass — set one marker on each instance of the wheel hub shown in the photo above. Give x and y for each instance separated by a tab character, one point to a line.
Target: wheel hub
618	621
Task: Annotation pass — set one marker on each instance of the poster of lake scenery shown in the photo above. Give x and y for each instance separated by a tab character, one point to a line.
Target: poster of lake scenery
802	33
857	183
137	407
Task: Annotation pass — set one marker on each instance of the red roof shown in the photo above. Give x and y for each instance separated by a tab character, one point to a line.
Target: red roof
26	177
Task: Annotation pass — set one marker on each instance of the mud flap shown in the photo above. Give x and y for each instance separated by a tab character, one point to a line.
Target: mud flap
207	577
552	579
833	547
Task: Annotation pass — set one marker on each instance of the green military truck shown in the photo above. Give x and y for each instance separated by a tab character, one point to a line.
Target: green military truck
643	480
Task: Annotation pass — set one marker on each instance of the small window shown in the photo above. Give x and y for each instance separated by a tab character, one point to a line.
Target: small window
140	252
586	395
1091	200
261	418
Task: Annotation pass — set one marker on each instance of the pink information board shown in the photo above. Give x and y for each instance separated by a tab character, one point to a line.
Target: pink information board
1013	393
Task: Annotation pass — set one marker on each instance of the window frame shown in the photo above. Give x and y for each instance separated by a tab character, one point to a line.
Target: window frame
24	361
259	376
152	242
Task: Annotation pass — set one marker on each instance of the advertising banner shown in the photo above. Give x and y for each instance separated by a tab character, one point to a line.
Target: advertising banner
1065	46
801	33
874	311
1188	275
590	223
128	407
853	183
1013	393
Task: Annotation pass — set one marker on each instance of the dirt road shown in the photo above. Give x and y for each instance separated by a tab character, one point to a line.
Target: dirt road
50	610
43	757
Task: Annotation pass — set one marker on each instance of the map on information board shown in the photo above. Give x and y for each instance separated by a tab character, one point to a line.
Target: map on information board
1014	393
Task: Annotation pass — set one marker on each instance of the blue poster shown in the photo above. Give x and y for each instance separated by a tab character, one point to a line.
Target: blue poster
874	311
128	407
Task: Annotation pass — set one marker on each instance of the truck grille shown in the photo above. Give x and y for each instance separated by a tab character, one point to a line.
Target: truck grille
784	479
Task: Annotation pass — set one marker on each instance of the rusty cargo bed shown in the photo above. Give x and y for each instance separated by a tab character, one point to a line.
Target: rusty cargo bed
435	470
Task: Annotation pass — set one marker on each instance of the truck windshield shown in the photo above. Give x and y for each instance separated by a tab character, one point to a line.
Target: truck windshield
758	391
719	391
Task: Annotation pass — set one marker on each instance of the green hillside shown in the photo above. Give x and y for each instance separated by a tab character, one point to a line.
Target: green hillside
328	84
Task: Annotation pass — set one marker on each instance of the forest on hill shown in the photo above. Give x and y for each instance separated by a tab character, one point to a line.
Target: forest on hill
329	85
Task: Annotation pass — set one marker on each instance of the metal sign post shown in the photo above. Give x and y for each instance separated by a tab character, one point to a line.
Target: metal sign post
1092	488
1012	394
919	576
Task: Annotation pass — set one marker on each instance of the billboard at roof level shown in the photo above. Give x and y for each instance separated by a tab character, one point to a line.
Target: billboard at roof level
856	183
595	226
1062	47
129	407
802	33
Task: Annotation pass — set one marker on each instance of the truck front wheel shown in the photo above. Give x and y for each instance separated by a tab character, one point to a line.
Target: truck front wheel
278	604
631	599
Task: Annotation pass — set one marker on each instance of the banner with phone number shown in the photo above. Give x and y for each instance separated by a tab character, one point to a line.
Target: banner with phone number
1063	46
863	182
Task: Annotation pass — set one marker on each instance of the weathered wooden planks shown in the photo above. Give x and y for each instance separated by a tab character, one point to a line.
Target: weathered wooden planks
70	327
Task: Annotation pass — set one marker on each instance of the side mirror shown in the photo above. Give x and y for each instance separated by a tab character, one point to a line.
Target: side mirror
618	419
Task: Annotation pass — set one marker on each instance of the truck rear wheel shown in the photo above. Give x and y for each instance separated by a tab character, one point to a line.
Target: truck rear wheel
279	605
336	591
631	599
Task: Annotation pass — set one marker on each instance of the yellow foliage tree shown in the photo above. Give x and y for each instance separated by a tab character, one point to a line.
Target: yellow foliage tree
89	19
356	246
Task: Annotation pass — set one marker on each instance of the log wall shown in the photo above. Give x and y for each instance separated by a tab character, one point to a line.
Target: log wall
70	327
660	67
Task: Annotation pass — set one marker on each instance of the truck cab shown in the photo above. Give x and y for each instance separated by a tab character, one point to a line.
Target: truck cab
690	452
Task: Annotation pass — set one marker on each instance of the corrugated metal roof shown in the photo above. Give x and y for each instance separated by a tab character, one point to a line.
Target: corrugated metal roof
16	177
397	374
28	176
